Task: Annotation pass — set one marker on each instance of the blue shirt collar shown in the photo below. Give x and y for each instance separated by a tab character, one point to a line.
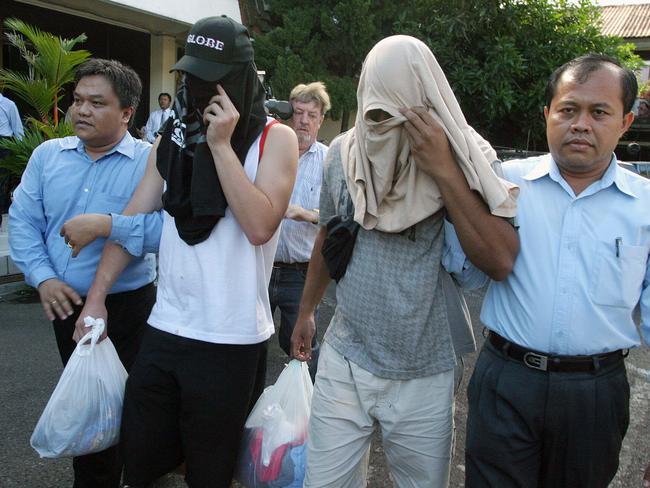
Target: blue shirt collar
614	175
126	146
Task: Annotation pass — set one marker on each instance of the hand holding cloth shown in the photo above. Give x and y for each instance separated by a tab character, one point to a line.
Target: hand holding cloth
390	193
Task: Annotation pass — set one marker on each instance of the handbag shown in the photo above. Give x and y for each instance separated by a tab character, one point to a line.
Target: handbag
339	244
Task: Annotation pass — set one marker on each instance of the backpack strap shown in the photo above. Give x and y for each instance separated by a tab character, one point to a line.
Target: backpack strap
265	132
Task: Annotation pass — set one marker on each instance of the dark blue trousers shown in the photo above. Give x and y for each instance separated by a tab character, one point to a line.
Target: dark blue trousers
285	291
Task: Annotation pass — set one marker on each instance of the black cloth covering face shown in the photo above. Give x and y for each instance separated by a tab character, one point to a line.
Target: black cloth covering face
194	196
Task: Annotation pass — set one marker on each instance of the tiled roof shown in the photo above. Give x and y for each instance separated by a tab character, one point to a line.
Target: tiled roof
627	21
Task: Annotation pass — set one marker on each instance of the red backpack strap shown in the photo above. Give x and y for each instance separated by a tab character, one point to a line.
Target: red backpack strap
265	132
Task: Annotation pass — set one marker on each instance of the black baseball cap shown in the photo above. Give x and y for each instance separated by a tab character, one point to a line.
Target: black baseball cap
214	46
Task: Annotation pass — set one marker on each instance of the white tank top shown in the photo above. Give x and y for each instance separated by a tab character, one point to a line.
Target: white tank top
217	290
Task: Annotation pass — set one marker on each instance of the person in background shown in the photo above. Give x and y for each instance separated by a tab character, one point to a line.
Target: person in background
299	227
10	126
157	118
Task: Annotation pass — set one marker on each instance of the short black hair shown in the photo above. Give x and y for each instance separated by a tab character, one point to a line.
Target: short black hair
165	94
585	65
124	80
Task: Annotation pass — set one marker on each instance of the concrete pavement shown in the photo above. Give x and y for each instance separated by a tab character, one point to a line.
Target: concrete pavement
31	367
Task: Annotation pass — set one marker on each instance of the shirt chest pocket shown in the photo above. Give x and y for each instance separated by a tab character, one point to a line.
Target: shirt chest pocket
105	203
618	274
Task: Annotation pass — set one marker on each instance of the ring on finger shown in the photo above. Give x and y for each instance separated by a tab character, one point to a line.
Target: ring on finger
53	301
69	245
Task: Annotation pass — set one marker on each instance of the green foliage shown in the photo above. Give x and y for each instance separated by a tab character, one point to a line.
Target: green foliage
326	41
21	149
38	94
497	54
51	64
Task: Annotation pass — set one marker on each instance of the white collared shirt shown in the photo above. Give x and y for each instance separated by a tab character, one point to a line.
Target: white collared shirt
155	121
297	238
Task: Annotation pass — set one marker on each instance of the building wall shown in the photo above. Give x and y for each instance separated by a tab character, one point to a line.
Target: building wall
187	11
163	56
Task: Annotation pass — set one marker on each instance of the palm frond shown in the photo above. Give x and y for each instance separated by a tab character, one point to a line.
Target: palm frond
39	94
20	150
64	129
56	64
51	62
68	44
51	57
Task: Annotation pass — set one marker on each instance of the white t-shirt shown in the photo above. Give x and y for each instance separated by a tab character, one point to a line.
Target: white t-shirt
216	291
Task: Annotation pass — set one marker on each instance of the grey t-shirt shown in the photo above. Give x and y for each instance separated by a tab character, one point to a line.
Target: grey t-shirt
390	317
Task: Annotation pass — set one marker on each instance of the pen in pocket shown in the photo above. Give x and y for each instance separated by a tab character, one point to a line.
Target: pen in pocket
619	241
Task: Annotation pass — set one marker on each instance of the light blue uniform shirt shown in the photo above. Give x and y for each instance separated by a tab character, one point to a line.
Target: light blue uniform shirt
583	264
297	237
62	181
10	123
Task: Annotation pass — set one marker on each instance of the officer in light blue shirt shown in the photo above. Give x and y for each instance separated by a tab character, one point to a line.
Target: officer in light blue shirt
10	123
95	171
10	126
548	400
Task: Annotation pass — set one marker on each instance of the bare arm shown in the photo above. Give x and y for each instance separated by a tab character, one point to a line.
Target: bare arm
260	206
315	285
147	198
489	242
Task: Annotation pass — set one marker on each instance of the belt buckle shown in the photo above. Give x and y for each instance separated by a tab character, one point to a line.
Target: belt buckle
536	361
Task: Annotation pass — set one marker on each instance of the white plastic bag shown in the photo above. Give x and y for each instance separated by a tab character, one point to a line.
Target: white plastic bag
84	413
273	448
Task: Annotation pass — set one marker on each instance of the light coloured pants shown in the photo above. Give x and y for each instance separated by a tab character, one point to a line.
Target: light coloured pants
416	417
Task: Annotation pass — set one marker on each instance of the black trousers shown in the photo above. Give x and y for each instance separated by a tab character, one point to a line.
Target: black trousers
127	318
535	429
5	184
188	400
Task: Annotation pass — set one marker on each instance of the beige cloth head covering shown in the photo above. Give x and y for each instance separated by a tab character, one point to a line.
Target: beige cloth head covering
389	192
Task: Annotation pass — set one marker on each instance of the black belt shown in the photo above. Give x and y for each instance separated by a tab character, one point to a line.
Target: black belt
546	362
298	266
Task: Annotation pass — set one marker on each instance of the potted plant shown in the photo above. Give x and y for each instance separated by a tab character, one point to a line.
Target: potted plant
51	64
